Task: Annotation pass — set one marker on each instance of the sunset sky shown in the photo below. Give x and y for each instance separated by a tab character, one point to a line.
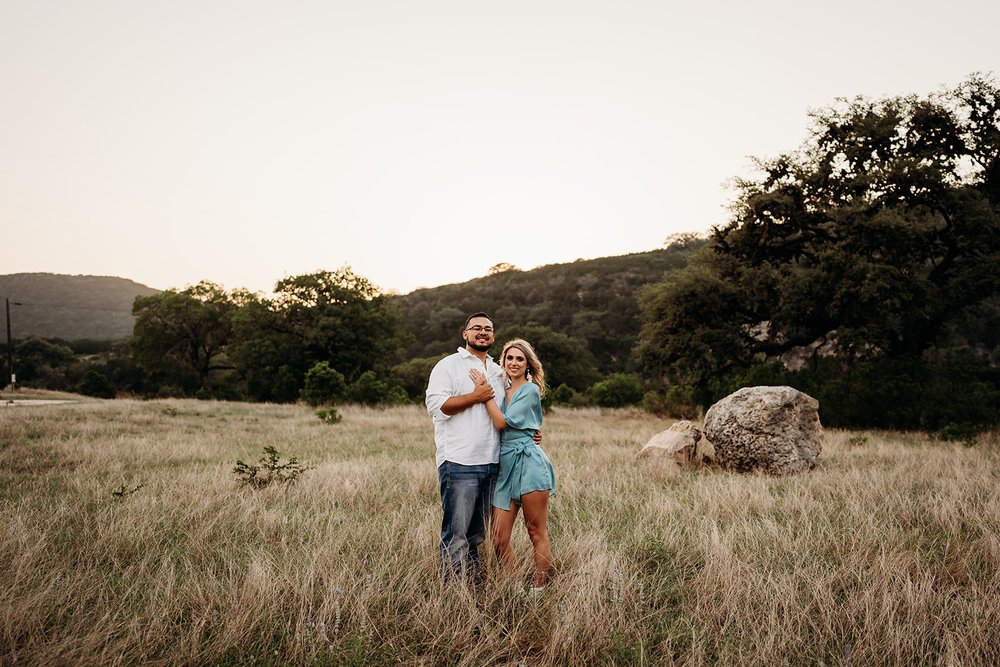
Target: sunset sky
418	142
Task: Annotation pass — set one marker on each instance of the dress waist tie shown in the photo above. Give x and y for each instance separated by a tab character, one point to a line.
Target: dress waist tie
518	449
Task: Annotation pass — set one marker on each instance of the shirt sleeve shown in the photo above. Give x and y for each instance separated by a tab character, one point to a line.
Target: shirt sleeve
440	388
525	411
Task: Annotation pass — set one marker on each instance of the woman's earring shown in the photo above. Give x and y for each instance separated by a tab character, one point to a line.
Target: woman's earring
527	376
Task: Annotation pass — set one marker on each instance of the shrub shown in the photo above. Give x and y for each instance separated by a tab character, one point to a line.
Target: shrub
329	415
857	440
323	384
681	402
268	470
654	402
562	395
963	432
98	385
123	491
413	375
678	402
371	390
617	390
169	391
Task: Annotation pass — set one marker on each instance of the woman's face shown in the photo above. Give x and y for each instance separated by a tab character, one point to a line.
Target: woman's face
514	363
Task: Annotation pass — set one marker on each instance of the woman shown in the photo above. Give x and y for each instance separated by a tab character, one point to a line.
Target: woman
526	477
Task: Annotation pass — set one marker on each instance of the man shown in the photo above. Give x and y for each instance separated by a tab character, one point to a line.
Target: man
468	446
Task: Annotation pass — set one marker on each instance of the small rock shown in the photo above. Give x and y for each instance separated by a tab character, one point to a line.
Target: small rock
680	442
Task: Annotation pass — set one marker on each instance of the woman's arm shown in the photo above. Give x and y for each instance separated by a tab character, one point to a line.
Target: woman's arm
479	379
496	415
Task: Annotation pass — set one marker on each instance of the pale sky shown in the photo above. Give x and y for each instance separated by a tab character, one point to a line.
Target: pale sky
420	142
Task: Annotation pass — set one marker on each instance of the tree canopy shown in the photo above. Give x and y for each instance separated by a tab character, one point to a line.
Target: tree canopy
875	240
566	360
869	240
184	333
267	345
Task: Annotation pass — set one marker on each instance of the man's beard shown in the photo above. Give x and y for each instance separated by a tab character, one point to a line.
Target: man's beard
480	347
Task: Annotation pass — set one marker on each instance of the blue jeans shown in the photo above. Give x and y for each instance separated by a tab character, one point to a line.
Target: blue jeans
466	495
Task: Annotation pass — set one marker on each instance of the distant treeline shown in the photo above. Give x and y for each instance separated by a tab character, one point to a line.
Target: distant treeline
333	336
862	267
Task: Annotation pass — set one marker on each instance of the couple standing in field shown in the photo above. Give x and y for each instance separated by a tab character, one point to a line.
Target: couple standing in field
486	429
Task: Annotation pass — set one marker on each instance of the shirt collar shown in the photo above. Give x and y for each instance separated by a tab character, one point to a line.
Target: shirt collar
490	364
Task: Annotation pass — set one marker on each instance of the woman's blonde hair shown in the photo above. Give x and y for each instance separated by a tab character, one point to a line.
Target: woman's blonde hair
535	369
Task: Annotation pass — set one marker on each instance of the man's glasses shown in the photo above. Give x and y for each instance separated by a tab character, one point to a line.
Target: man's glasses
478	328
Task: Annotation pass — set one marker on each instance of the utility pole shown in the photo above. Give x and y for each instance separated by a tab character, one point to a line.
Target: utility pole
10	347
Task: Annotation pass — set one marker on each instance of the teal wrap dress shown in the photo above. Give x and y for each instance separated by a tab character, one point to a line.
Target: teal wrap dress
524	467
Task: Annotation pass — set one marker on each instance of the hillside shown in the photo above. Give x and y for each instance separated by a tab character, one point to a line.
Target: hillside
592	300
71	307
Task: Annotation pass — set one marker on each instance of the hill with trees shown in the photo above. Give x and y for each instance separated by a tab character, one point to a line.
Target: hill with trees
333	329
592	301
71	307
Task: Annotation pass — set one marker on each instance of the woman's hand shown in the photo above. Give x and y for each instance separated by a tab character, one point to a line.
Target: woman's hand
481	389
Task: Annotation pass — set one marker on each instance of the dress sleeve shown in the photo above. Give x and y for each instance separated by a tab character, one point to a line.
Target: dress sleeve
525	411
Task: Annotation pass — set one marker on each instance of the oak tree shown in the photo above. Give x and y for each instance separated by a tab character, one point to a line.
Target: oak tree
870	240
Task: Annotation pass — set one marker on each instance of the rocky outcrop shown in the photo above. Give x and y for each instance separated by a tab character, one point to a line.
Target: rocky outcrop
679	442
771	429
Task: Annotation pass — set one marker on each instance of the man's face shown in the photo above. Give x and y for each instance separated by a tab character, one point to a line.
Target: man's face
478	334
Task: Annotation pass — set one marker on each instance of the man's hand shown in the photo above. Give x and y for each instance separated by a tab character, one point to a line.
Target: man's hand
537	437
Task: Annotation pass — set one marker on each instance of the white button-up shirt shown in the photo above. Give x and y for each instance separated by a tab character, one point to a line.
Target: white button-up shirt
468	437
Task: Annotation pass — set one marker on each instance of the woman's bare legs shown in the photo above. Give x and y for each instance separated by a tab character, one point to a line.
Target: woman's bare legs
503	526
536	507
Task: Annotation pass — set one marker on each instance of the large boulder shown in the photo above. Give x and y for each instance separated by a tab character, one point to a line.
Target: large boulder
773	429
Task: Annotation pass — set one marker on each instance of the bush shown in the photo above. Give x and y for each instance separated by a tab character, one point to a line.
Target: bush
617	390
123	492
369	389
329	415
169	391
413	375
96	384
323	385
562	395
268	470
963	432
678	402
963	389
218	392
654	402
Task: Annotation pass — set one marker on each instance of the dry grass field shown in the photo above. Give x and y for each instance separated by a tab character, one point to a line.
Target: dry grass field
888	553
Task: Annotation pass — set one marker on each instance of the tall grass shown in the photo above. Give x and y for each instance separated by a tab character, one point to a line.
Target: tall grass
887	553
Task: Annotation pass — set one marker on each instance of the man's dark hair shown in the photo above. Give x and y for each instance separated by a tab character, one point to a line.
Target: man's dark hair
474	316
